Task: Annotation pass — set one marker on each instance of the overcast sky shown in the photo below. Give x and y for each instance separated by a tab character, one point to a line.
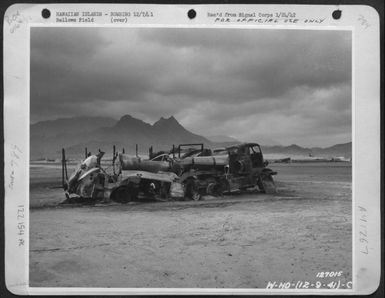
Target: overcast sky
270	86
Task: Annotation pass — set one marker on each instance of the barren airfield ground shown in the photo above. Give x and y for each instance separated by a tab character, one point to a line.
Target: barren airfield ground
238	241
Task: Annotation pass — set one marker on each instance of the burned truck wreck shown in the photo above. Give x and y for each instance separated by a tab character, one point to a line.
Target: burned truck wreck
231	169
178	175
138	178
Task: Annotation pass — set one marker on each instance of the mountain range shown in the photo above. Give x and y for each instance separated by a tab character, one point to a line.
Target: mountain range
74	134
339	150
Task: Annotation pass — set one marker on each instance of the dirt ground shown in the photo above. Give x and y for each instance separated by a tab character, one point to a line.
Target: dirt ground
238	241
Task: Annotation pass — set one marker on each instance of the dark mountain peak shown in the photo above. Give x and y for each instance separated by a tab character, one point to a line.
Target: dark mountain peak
347	145
168	123
128	120
161	120
169	119
294	146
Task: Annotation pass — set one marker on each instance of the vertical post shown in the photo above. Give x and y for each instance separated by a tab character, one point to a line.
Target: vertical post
150	152
65	164
113	158
136	150
173	151
123	151
85	152
62	167
64	173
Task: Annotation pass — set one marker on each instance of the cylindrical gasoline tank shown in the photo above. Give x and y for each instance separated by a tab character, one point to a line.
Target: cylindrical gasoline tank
205	161
137	164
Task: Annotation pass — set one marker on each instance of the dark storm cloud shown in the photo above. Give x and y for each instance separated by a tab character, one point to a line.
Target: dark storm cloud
266	63
214	81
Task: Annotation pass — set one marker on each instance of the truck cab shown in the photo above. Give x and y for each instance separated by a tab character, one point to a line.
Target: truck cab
245	158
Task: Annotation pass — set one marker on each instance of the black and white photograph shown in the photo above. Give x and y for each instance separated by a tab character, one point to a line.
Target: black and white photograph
166	157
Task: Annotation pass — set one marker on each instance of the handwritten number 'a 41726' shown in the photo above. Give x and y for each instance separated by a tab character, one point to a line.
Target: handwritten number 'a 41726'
363	231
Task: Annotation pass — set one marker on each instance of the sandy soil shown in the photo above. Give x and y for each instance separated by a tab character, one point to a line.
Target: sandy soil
238	241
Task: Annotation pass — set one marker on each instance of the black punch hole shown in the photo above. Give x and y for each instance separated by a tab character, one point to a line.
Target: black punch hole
191	13
337	14
45	13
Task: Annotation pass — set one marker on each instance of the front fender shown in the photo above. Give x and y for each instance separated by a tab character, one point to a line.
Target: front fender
268	172
85	174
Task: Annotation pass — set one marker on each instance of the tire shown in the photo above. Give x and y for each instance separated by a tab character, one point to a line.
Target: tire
165	191
124	194
191	190
266	184
260	185
224	186
215	189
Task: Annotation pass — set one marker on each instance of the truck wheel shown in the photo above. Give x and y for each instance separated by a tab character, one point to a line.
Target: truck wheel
224	186
260	185
191	191
164	191
124	194
266	184
214	189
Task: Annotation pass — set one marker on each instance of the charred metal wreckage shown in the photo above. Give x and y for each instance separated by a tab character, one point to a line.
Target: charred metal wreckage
186	172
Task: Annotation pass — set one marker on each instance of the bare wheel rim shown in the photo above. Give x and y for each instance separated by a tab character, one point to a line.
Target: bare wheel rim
192	192
195	196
